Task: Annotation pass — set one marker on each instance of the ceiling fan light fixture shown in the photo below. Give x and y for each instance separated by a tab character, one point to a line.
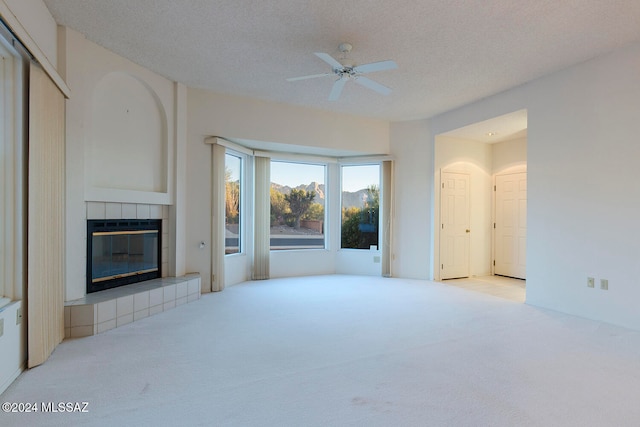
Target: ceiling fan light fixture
349	72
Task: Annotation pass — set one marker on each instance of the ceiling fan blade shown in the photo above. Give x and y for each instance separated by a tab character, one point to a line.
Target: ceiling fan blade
312	76
336	90
375	66
329	60
368	83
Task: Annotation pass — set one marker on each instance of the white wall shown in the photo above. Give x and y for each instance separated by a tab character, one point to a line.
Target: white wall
509	155
112	92
411	247
112	156
76	213
583	196
310	262
178	211
128	144
359	261
583	191
211	114
12	345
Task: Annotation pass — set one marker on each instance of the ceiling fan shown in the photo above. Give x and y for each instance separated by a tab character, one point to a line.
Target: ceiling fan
348	72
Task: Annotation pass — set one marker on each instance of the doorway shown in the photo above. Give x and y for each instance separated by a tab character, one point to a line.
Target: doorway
486	151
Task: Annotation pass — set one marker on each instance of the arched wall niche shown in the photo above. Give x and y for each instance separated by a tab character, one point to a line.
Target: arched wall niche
128	138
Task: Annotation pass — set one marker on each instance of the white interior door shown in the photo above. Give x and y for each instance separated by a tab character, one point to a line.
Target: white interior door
511	225
455	218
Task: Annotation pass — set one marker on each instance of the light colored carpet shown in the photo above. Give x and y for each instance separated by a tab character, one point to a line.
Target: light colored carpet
498	286
343	351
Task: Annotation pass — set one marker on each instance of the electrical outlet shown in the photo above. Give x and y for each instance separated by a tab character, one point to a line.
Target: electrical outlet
591	282
19	316
2	327
604	284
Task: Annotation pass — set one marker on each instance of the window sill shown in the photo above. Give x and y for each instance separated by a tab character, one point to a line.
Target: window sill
298	250
237	254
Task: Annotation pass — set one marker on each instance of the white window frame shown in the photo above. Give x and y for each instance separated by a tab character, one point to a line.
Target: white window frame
312	161
243	202
364	162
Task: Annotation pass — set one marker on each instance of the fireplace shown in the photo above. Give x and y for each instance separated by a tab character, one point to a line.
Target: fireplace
121	252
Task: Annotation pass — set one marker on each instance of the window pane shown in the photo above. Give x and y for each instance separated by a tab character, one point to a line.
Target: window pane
233	206
297	205
360	206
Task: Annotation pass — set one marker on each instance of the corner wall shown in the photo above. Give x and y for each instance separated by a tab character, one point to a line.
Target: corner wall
412	147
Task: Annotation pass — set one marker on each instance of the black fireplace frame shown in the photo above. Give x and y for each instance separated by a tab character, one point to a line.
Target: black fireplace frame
121	225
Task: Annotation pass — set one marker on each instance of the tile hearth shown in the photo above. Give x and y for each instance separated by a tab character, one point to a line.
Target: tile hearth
101	311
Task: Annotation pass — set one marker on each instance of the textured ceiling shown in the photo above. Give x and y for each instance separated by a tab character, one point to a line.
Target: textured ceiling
449	53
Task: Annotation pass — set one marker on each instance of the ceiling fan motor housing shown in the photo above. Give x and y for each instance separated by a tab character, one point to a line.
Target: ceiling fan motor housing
350	72
345	47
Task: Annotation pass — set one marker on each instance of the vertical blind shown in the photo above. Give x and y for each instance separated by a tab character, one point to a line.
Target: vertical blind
46	217
218	229
387	212
262	224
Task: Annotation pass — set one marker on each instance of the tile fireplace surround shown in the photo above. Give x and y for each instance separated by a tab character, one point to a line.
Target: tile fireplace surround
100	311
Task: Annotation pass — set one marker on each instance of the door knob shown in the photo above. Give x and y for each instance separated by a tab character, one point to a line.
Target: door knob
467	230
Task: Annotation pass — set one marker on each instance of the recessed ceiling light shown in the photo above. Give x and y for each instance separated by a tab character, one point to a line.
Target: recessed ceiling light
492	133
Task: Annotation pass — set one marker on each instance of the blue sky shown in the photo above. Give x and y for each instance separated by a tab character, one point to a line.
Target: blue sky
232	163
354	178
294	174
